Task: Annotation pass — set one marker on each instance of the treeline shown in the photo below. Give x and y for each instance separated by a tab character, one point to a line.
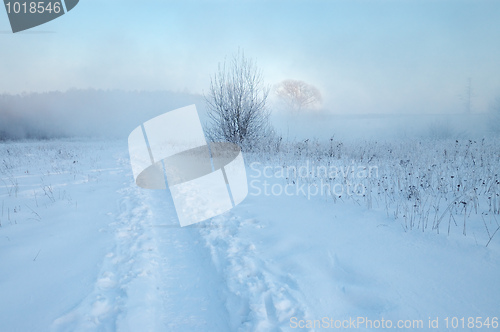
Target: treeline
85	113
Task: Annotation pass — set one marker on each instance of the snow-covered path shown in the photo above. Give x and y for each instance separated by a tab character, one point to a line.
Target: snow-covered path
157	276
191	290
82	248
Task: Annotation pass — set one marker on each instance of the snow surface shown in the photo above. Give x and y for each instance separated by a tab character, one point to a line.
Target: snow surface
82	248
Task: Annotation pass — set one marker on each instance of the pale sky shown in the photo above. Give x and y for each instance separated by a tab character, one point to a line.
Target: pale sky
364	56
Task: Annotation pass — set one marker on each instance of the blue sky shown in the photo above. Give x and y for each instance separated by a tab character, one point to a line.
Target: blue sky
364	56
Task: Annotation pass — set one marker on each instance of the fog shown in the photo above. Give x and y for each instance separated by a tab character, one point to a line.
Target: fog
324	126
384	68
88	113
115	113
386	56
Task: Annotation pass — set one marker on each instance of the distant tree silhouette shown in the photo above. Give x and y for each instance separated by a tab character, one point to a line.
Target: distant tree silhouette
298	95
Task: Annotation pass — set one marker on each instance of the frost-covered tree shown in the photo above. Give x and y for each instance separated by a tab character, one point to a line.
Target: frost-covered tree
236	103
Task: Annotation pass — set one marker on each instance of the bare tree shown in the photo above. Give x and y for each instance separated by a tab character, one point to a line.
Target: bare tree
236	103
298	94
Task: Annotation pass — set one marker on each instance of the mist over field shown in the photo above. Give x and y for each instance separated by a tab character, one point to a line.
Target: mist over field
90	113
115	113
383	68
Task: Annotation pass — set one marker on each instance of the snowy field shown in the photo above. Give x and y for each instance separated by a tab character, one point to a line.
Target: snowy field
358	234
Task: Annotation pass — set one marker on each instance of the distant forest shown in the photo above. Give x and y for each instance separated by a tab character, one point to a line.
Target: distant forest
85	113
